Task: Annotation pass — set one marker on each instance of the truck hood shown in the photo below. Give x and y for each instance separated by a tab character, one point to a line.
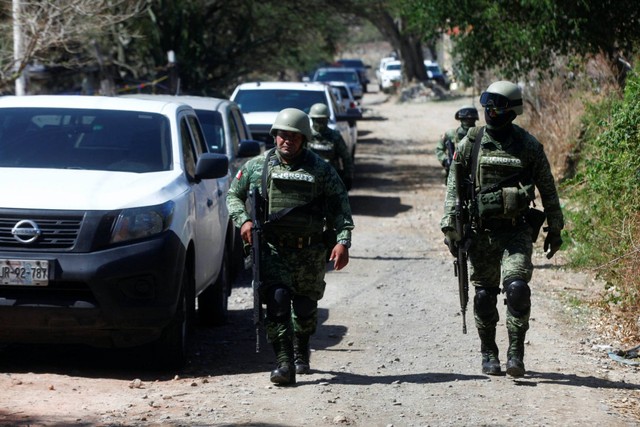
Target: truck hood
72	189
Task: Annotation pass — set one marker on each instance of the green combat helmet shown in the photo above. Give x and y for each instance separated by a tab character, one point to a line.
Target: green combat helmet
292	120
467	112
319	111
503	95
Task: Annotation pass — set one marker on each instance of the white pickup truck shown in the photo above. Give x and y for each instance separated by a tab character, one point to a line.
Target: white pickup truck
112	223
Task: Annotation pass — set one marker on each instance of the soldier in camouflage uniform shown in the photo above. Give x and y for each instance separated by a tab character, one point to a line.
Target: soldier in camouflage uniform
467	115
510	164
329	144
311	194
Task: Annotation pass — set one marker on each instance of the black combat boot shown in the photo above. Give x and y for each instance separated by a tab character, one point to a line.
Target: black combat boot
489	350
301	354
285	373
515	354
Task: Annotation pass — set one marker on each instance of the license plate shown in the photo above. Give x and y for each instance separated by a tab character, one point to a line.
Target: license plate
24	272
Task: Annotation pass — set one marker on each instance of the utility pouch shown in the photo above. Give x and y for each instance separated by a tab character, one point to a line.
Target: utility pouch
511	201
535	218
490	204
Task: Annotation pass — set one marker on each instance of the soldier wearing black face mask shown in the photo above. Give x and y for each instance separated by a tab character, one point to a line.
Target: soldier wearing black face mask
468	115
501	166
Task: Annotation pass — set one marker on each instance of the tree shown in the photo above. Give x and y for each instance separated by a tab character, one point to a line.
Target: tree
61	33
388	17
517	37
218	42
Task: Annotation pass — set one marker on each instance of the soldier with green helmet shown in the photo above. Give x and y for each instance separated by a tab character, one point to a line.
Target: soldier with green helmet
329	144
302	194
504	165
467	115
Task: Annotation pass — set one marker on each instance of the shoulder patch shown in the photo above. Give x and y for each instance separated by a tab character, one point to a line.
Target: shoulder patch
239	174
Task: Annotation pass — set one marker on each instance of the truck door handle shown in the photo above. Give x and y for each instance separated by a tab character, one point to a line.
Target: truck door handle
209	203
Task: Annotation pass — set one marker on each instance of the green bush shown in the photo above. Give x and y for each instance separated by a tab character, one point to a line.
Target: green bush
605	192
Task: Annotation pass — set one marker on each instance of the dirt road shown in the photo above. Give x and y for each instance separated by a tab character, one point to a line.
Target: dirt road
389	349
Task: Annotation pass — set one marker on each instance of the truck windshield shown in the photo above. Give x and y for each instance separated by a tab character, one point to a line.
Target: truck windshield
274	100
65	138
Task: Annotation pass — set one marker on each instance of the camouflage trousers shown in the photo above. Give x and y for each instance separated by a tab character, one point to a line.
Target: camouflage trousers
302	272
498	257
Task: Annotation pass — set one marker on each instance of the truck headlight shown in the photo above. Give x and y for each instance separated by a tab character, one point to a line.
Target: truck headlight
138	223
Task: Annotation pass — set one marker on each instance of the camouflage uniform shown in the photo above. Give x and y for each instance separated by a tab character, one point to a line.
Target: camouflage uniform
467	115
501	246
449	139
329	144
294	254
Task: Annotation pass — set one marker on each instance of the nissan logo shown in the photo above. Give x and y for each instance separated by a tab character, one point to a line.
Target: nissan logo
26	231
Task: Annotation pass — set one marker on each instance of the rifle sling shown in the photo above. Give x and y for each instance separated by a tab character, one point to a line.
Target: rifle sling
475	159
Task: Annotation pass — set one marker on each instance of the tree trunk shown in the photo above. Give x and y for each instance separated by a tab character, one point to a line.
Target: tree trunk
408	46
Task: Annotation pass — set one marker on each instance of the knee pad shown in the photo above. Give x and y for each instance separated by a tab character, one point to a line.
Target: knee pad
304	307
278	304
518	297
485	301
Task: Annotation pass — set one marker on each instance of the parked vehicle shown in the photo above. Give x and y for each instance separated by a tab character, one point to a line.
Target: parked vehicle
435	74
349	105
342	74
113	223
390	76
345	97
382	64
260	102
360	67
226	133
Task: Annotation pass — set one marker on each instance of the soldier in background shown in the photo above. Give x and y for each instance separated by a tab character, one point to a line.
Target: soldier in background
467	115
302	193
504	164
329	144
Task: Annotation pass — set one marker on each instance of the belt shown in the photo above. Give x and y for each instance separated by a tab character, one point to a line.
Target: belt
295	241
501	223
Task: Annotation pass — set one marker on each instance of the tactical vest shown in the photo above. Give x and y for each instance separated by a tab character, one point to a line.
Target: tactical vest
296	191
502	187
324	149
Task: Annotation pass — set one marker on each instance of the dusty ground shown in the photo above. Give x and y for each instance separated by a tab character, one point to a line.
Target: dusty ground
389	349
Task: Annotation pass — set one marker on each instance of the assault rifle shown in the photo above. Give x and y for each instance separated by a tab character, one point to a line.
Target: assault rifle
463	227
451	148
256	207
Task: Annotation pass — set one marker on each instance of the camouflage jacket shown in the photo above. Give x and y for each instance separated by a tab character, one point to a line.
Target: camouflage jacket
532	158
335	201
330	145
453	135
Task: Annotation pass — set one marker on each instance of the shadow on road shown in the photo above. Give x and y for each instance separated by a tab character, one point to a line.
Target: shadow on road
578	381
422	378
379	206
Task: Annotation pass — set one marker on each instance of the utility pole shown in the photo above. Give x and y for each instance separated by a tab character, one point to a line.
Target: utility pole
18	46
174	77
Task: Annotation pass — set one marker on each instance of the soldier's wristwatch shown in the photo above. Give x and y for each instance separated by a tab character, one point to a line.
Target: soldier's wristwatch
346	243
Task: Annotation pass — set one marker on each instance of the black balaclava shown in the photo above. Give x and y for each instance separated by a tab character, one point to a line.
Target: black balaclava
499	126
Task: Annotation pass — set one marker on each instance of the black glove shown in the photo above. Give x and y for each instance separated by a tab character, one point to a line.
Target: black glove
446	164
552	242
451	239
453	247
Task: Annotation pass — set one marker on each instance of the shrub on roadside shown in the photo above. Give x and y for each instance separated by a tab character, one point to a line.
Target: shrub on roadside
605	201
